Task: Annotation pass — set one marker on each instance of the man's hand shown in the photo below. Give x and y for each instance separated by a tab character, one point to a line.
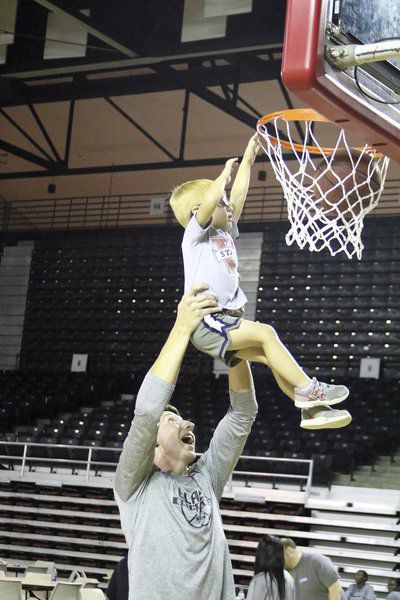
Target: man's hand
230	166
252	149
192	308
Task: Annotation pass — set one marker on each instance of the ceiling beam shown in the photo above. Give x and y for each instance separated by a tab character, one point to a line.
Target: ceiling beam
81	88
64	7
143	131
205	94
82	66
63	170
24	133
26	155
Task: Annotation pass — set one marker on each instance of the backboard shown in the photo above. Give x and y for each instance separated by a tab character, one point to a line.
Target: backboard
356	99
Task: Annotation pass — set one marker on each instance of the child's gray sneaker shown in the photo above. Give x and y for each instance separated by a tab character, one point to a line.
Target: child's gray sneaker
319	394
324	418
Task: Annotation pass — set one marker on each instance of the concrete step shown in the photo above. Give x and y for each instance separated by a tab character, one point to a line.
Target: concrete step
13	280
17	251
387	460
6	301
16	260
377	474
13	290
379	468
6	320
369	479
15	271
7	363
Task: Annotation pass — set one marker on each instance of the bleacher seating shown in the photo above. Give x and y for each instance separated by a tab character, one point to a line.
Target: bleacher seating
78	527
89	291
102	419
331	311
113	296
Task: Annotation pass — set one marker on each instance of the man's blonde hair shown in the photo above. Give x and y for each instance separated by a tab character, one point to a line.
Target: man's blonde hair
186	197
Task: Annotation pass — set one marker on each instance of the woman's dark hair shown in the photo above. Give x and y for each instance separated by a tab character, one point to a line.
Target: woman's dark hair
270	560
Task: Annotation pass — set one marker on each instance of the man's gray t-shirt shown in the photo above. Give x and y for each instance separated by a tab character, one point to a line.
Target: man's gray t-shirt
393	596
313	577
172	525
366	592
263	587
209	256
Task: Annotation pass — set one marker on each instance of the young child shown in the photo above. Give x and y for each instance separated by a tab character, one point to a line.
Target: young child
209	256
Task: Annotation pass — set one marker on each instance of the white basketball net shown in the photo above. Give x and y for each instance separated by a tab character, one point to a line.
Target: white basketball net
317	222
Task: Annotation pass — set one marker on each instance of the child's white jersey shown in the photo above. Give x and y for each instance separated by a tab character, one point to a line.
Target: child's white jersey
209	256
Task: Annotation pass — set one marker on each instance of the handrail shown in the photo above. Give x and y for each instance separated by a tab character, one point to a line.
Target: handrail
100	212
91	467
263	203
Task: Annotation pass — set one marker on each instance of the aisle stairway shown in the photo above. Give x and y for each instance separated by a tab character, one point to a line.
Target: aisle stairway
14	281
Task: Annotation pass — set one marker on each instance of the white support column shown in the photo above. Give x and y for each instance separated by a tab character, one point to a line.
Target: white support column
248	247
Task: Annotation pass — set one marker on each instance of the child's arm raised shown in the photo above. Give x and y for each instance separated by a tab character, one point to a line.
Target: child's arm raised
241	184
214	193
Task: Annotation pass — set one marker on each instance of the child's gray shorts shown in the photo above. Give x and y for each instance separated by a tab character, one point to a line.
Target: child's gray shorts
212	337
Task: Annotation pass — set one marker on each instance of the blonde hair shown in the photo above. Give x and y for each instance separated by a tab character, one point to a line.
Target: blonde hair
187	197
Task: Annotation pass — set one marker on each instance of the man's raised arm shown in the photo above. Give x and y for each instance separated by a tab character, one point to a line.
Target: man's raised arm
231	433
137	455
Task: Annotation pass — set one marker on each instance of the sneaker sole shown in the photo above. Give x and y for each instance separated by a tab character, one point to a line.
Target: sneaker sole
311	403
324	423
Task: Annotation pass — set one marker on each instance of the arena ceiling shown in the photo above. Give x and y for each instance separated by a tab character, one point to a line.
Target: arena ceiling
101	97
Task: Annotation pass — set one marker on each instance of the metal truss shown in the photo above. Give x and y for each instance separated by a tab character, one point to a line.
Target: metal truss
224	72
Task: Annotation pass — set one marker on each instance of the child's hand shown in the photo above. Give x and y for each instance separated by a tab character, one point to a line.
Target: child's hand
230	165
252	148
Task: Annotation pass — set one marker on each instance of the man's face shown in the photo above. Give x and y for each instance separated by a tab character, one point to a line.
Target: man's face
176	441
360	577
222	215
392	586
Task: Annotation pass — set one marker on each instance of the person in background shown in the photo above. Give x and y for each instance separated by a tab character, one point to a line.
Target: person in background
360	589
393	589
118	587
270	581
315	576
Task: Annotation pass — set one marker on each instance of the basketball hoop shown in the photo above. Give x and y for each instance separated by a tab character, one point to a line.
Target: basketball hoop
329	189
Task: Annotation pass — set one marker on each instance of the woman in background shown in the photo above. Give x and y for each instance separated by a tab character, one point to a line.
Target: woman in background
270	581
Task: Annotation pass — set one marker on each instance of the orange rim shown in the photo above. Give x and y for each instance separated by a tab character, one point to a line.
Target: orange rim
303	114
